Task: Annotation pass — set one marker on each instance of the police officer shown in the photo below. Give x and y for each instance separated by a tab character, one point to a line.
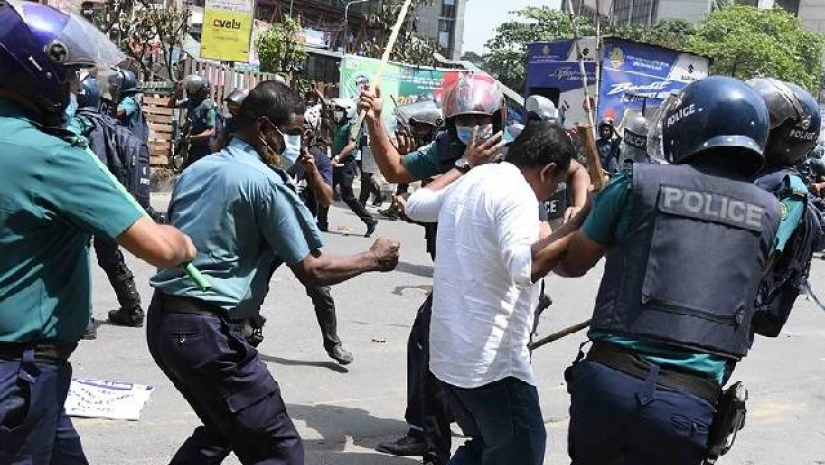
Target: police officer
54	197
233	105
344	163
795	126
201	117
633	148
687	245
608	146
194	334
127	157
129	111
473	108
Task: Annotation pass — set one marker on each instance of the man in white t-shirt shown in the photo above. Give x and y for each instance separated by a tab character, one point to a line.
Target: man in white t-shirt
488	257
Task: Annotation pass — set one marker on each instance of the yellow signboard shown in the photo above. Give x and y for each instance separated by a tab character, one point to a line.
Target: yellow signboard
226	28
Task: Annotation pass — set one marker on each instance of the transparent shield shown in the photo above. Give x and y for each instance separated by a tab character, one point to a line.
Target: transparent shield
655	144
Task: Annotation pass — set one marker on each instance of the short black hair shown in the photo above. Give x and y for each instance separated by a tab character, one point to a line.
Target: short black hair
541	143
272	99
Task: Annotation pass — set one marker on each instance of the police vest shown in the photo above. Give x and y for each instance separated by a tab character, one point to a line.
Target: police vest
688	273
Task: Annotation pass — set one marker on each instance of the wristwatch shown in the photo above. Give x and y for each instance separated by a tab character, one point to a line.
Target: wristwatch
463	165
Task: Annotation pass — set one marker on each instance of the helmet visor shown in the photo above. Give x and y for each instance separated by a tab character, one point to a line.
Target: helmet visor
655	139
78	44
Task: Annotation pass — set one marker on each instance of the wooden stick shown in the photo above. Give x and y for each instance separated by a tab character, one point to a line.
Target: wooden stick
376	78
594	164
558	335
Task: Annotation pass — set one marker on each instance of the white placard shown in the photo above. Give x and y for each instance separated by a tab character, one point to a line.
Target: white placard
106	399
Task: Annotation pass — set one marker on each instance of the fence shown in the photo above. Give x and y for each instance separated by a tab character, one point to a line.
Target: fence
161	119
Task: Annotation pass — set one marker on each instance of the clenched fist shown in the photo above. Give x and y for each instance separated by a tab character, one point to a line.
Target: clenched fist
386	253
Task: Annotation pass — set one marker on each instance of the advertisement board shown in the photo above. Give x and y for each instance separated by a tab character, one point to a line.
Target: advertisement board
227	25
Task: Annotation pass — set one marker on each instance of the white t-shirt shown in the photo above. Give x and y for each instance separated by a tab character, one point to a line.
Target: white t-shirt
483	298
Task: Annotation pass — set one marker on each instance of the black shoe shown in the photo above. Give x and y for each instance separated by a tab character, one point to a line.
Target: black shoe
323	227
91	330
408	446
123	317
378	201
340	355
371	228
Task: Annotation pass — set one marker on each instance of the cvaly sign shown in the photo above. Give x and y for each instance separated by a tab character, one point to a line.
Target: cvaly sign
227	25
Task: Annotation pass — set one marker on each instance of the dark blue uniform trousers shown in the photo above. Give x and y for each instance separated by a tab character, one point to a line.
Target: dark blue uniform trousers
34	428
617	419
228	387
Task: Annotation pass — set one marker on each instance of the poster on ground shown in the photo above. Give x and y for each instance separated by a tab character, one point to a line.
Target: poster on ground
227	25
400	84
90	398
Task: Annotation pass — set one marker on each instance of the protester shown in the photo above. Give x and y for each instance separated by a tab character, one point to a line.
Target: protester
488	259
608	146
343	159
201	117
687	244
54	198
193	334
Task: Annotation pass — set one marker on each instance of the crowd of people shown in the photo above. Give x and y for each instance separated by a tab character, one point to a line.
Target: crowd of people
708	224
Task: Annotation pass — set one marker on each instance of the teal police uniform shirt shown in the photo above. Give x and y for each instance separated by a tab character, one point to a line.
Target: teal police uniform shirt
609	224
53	198
245	219
425	163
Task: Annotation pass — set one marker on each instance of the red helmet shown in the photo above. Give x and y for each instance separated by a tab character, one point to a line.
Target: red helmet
468	92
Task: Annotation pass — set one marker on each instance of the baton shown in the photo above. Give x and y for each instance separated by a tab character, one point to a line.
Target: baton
558	335
402	15
190	269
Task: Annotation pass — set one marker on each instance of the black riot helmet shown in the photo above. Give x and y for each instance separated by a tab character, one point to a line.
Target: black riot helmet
795	121
711	114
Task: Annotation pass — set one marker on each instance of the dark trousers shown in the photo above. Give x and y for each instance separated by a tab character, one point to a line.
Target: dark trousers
345	175
229	388
34	428
325	313
368	186
427	408
503	420
617	419
110	259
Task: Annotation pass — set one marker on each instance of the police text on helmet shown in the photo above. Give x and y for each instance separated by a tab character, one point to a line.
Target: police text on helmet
681	113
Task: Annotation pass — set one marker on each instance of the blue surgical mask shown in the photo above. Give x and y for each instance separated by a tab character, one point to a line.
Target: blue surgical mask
69	121
292	150
465	133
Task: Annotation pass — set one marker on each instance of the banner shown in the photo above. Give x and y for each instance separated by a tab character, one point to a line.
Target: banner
400	84
636	75
227	25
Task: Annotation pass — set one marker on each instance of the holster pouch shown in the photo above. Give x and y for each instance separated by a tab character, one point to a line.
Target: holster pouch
729	419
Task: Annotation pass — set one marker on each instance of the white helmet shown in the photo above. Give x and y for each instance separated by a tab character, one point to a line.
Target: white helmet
345	104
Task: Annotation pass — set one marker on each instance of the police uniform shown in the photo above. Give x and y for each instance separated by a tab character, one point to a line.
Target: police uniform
53	198
194	335
133	117
668	324
201	115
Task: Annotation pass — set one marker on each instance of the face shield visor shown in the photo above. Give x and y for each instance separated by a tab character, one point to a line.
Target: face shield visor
655	141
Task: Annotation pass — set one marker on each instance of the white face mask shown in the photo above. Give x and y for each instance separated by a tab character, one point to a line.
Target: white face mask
292	150
465	133
338	116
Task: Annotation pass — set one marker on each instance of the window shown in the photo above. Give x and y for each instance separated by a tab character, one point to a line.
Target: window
448	9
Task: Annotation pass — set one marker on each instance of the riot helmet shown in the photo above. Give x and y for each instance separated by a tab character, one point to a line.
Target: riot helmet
718	116
196	86
606	128
120	83
465	93
633	148
89	95
794	120
235	99
41	51
541	108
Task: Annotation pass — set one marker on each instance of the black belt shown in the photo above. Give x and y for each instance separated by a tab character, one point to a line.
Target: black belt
54	352
630	363
192	306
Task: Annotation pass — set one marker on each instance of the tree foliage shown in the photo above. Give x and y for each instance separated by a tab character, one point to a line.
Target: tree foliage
745	42
280	49
410	47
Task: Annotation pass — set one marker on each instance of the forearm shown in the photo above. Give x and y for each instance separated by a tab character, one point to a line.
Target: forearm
328	270
579	185
346	152
549	252
202	136
322	190
385	154
444	180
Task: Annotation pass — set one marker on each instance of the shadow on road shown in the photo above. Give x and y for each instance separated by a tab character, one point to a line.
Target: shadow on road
304	363
399	290
335	423
425	271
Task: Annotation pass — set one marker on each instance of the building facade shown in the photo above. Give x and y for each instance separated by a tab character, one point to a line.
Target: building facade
443	23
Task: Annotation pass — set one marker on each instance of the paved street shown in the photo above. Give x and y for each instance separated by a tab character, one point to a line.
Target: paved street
342	413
